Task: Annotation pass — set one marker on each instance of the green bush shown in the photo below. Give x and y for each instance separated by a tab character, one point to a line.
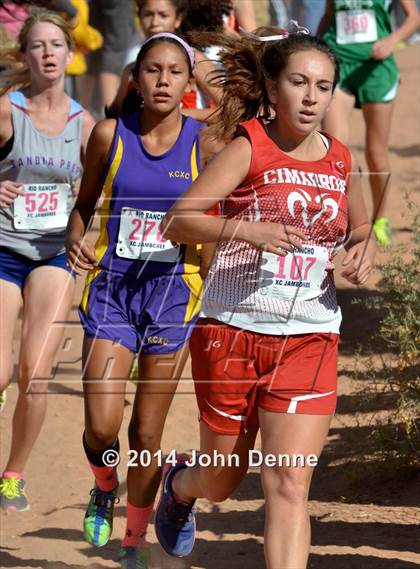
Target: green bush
397	437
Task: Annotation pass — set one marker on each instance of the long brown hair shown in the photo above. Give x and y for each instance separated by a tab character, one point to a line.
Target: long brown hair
10	54
246	65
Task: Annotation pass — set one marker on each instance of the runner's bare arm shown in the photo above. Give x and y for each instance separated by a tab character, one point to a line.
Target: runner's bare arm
216	181
9	190
117	103
187	221
6	126
411	22
245	14
80	253
361	247
360	227
88	124
325	20
384	47
209	148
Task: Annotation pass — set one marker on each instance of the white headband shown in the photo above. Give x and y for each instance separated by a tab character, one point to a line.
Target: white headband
183	43
292	28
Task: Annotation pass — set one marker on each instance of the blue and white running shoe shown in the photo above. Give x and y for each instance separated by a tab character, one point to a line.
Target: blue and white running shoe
174	521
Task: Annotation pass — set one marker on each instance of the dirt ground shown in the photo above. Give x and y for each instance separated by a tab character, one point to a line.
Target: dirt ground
355	526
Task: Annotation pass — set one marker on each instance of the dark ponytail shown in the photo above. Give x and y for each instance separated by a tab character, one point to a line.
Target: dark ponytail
242	83
247	64
202	16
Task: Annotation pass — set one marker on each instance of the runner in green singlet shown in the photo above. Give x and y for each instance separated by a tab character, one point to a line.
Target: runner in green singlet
360	33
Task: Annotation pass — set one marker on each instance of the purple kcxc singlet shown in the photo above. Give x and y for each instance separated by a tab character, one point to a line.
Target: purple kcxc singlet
144	294
137	180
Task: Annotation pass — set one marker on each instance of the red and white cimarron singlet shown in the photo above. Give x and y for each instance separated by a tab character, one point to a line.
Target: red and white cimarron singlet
268	293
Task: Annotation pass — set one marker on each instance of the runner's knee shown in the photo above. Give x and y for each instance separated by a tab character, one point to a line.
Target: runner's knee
287	484
144	435
33	379
377	158
34	369
101	434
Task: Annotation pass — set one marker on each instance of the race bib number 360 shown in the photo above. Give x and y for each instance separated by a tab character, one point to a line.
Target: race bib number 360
356	26
139	237
297	275
43	206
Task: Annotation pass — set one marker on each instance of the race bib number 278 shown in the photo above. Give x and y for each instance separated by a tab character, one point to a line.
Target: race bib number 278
139	237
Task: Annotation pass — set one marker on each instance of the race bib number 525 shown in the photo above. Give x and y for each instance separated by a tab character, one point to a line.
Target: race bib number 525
297	275
43	206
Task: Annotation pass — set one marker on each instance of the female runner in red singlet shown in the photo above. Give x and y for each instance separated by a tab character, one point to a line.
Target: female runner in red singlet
265	352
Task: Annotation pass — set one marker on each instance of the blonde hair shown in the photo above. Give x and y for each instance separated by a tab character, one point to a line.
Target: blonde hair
18	74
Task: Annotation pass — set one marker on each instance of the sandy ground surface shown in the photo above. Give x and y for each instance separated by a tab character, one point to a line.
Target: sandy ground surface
355	526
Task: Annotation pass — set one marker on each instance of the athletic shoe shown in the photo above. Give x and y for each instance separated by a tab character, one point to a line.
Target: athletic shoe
414	39
97	525
174	521
382	231
2	400
134	558
12	495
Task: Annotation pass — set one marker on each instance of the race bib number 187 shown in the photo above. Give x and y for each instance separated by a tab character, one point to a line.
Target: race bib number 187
139	237
297	275
43	206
